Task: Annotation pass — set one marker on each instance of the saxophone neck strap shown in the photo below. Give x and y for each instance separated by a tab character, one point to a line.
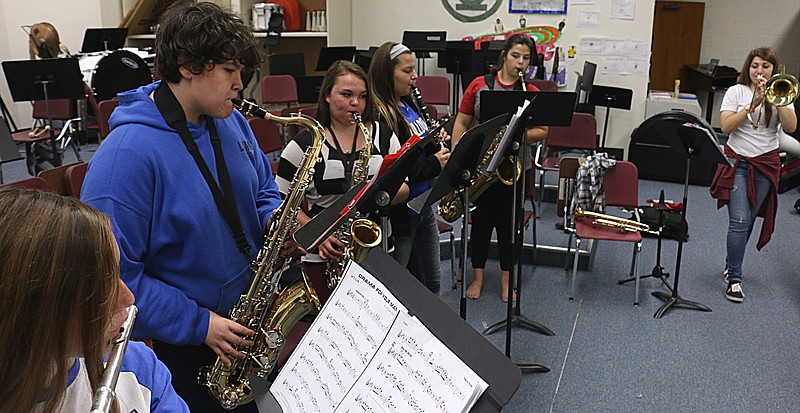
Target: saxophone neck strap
348	159
173	114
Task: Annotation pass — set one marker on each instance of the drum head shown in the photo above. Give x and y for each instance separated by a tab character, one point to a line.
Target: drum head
117	72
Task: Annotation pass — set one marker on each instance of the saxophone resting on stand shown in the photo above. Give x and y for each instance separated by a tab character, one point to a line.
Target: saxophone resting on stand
358	234
266	308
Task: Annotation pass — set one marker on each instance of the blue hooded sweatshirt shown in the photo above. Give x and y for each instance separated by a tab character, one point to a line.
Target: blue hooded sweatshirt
178	255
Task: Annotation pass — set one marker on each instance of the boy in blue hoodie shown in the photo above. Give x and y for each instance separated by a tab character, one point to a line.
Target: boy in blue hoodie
189	198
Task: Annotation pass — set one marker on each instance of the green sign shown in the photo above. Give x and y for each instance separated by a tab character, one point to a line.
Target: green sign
471	10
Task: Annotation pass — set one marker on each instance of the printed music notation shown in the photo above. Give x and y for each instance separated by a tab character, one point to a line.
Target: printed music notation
365	353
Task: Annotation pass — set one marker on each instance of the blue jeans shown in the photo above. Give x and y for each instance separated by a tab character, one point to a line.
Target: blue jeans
741	217
419	250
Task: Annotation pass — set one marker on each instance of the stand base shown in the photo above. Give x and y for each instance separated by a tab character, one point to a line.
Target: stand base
533	368
670	300
519	321
658	272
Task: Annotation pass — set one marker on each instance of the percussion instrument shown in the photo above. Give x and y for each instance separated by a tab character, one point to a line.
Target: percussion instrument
108	73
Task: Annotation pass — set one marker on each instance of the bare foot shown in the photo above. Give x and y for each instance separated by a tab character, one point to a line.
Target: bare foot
504	288
474	289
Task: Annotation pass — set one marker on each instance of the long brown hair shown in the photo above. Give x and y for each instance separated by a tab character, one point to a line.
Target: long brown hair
341	68
59	280
381	85
767	54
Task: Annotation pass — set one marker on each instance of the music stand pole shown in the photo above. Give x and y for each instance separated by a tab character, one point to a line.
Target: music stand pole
517	319
463	259
658	270
56	155
682	135
605	123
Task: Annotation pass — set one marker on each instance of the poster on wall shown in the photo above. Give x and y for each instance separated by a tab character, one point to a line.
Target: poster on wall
538	6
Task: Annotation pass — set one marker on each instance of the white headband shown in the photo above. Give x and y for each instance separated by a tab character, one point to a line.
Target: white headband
397	50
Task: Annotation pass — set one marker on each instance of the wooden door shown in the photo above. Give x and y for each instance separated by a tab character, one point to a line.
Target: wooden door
677	34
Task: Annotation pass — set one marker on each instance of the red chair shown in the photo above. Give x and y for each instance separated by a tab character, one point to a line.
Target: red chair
580	136
60	109
104	110
73	179
544	85
435	90
621	184
279	89
33	182
267	135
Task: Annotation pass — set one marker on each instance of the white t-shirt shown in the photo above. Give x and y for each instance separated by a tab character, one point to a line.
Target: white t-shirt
745	140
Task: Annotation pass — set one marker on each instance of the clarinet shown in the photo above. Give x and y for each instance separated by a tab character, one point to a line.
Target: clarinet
423	109
104	395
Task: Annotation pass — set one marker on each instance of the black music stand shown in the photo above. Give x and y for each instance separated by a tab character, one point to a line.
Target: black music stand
457	59
45	79
457	176
545	109
693	142
375	199
609	97
103	39
422	43
328	55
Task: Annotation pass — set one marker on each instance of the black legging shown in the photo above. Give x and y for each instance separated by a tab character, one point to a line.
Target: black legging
493	210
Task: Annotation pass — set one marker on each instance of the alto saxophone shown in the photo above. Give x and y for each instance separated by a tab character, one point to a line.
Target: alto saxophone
266	308
104	395
358	234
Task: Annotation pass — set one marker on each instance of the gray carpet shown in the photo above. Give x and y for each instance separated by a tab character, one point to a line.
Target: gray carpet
608	355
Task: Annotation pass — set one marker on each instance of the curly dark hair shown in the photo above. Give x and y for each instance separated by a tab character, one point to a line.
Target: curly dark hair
192	35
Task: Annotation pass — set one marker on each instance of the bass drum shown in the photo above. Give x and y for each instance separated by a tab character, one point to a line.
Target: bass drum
111	73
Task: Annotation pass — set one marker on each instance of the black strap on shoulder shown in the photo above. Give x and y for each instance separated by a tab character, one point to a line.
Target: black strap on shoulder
173	113
489	79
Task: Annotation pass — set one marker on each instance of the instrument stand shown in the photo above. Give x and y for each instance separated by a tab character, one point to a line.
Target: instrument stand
658	270
610	97
692	141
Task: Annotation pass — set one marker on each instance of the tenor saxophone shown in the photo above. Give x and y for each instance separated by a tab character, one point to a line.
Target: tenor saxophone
266	308
358	234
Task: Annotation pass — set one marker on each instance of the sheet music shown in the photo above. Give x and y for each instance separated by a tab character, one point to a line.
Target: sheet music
414	372
334	353
502	148
365	353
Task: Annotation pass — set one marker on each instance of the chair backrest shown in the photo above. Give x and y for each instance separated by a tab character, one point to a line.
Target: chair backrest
55	178
33	182
278	89
73	179
435	90
581	134
105	108
60	109
544	85
267	134
621	184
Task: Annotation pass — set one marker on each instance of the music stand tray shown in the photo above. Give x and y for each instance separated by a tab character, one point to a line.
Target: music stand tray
558	106
328	55
609	97
421	42
103	39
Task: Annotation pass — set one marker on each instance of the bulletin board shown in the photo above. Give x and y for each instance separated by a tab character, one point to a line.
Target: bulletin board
538	6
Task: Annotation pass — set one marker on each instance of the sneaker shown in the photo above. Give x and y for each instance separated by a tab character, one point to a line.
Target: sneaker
725	276
734	293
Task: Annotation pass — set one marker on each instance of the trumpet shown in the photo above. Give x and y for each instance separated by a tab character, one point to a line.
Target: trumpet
624	225
780	90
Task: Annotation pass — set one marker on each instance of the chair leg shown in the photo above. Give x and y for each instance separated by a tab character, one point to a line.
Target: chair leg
566	259
637	248
574	268
539	194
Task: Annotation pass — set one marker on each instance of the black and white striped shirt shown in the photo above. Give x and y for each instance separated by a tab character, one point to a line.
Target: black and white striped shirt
328	182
